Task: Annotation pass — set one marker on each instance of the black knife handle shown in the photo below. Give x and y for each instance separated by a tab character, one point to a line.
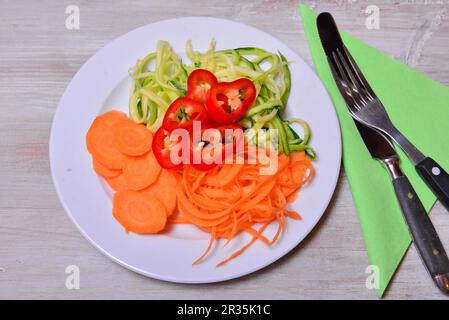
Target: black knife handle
423	232
436	178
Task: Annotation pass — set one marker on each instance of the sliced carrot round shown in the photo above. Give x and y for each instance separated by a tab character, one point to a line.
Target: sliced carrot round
100	143
117	183
94	130
133	139
139	213
113	116
164	189
140	172
105	172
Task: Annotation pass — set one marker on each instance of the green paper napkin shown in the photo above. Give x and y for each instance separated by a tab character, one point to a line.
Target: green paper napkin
419	107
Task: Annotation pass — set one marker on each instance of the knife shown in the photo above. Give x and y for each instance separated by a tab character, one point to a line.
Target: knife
425	237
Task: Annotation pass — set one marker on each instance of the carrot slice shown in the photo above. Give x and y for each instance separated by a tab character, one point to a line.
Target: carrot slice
100	143
164	189
133	139
105	172
112	117
140	172
139	213
94	131
117	183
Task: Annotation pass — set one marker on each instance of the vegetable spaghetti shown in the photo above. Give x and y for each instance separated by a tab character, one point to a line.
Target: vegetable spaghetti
244	89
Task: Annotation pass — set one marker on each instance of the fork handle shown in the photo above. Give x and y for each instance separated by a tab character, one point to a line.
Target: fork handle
423	232
436	178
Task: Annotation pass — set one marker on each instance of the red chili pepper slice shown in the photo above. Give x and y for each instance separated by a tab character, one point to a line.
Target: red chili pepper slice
164	146
227	102
181	114
199	83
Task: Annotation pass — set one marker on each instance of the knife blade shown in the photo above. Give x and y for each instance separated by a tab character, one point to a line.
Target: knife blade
377	144
380	147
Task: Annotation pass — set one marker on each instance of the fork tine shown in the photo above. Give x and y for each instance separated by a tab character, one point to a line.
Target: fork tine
359	94
348	69
359	73
342	72
337	77
347	83
333	71
343	86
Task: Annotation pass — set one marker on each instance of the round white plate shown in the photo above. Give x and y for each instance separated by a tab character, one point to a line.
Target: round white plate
103	83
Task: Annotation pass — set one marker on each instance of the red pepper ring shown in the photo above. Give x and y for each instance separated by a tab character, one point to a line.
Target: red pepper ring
199	83
170	148
227	102
181	114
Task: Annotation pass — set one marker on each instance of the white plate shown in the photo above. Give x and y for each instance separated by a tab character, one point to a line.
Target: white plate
103	83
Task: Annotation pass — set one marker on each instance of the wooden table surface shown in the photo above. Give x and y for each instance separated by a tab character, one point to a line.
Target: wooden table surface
38	58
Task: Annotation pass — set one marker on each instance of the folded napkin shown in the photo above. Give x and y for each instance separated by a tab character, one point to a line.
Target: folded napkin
419	107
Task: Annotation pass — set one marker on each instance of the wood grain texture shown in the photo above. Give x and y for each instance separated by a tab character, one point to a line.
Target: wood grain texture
39	56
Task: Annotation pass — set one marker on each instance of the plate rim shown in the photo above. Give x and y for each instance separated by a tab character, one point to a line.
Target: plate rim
223	278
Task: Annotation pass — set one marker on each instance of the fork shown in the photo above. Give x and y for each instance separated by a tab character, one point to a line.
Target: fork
369	110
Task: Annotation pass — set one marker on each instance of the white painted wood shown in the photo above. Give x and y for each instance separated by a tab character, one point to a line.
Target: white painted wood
39	56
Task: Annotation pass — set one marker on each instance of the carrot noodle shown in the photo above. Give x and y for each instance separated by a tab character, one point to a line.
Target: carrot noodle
243	249
211	242
293	214
233	198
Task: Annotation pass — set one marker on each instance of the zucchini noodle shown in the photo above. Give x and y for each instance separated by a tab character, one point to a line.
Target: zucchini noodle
161	77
